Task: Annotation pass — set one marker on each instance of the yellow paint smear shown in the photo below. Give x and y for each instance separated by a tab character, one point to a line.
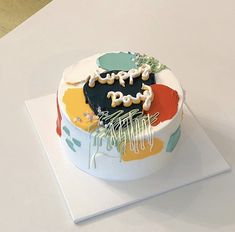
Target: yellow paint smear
130	155
75	105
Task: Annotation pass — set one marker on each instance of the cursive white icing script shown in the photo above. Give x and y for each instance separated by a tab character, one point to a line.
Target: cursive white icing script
118	98
144	71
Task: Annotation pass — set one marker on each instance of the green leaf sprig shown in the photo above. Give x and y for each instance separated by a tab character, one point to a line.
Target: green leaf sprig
155	65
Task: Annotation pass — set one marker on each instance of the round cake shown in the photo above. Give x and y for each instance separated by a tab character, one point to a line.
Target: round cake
119	115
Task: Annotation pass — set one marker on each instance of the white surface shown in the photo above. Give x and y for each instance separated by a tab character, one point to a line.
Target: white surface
87	196
194	38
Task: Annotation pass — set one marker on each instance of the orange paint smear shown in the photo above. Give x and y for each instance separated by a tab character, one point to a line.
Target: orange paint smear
59	118
165	102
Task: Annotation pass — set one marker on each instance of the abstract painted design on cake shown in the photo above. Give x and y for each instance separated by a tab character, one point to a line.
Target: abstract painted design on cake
78	110
126	133
71	142
165	102
97	96
147	150
117	61
173	140
120	111
59	118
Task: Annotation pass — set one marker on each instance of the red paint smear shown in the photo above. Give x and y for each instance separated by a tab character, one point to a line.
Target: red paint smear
59	118
165	102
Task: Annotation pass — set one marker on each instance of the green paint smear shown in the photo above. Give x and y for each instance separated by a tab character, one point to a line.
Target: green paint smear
76	142
66	130
173	140
70	144
117	61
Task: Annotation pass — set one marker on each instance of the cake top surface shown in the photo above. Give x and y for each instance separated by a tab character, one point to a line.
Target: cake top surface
118	88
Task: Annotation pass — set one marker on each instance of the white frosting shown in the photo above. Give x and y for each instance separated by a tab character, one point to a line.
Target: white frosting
144	71
136	133
118	98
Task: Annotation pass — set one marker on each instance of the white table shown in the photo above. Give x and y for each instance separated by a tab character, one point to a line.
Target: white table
194	38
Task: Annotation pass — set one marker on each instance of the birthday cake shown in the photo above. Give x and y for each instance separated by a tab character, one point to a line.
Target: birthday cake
119	115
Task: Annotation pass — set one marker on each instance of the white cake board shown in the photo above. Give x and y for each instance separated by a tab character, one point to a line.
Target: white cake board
86	196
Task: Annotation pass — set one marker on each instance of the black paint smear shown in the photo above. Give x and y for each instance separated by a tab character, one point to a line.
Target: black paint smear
97	96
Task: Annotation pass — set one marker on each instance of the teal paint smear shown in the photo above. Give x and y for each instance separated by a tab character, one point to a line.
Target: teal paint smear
66	130
76	142
173	140
70	144
117	61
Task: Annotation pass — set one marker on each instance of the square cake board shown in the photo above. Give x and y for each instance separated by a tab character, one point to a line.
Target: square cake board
86	196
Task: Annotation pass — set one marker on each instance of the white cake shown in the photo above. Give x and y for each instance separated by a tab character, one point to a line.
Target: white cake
148	100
